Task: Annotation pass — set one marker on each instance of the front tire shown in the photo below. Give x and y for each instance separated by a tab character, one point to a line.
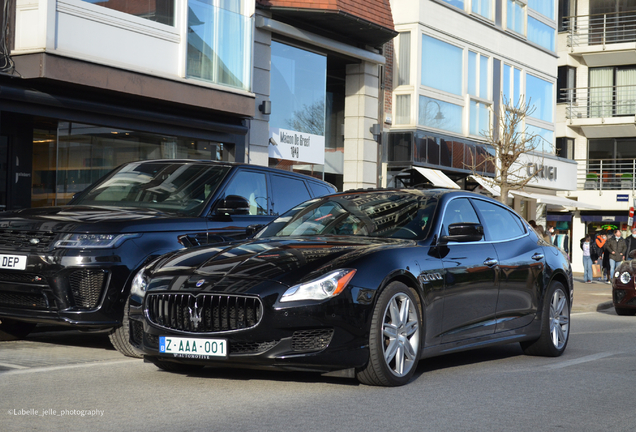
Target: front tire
14	330
120	337
624	311
394	338
555	328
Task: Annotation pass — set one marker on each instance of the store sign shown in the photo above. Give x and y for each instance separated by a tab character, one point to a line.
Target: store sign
296	146
542	171
547	172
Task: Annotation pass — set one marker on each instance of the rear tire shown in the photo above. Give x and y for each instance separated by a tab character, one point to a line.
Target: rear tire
120	337
394	338
555	325
624	311
14	330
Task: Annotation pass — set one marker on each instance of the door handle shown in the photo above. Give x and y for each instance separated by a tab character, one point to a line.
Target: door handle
537	256
490	262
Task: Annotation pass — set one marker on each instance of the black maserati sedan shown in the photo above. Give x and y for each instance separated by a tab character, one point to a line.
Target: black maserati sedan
73	264
358	284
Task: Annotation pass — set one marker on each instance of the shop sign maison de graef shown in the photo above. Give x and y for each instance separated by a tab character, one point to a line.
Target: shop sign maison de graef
296	146
550	172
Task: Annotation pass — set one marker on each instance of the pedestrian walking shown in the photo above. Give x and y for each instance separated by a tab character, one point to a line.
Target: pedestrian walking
615	247
587	260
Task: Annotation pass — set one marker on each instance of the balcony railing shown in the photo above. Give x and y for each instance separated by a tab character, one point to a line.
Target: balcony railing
606	174
599	102
600	29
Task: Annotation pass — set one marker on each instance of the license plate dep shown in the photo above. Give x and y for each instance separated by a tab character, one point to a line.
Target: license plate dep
192	346
13	262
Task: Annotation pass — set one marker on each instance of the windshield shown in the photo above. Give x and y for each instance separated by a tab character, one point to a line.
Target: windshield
395	214
179	187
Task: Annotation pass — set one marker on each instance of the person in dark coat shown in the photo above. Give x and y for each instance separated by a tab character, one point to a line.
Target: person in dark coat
631	244
616	248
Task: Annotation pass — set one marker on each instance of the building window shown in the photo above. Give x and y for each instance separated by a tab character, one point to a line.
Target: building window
441	65
440	115
612	91
161	11
544	141
404	59
512	85
478	76
544	7
483	8
219	42
541	34
479	118
566	82
457	3
567	9
540	94
403	109
565	147
516	16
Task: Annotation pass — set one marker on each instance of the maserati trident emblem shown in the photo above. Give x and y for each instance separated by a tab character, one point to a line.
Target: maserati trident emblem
34	241
195	315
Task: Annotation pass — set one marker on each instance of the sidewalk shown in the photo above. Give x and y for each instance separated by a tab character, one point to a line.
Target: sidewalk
591	297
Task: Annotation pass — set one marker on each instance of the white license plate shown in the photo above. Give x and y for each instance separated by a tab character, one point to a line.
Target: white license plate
13	262
192	347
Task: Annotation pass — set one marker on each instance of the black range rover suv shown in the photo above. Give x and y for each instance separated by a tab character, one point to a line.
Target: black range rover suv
74	264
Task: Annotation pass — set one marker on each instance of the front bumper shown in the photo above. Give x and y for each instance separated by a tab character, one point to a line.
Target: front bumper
323	337
80	291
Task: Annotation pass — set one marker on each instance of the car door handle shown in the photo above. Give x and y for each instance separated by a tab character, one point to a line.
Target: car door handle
537	257
490	262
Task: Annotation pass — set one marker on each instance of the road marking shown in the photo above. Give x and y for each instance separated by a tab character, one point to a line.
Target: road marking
13	366
23	370
580	360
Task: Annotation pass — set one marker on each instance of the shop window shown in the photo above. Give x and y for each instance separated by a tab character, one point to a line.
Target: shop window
161	11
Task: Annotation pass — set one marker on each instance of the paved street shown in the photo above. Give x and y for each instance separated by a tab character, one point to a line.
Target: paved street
71	381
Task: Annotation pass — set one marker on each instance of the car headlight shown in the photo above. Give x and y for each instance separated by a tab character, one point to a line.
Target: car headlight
92	241
329	285
139	284
617	274
625	277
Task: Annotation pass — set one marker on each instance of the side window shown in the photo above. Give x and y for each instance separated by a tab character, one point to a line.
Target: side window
319	189
500	223
253	187
287	192
458	210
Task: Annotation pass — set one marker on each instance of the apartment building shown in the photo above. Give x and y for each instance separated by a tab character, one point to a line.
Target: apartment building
88	85
595	112
455	62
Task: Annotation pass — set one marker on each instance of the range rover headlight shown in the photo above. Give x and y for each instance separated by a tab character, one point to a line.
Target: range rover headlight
625	278
92	241
327	286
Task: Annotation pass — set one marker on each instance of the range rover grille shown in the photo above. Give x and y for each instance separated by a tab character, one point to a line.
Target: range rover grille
86	287
38	241
204	313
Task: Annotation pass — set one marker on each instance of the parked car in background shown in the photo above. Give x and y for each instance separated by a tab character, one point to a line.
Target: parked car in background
74	264
361	283
623	289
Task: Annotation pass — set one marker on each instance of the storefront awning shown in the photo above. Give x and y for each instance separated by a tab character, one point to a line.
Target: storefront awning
492	189
565	217
557	200
604	218
437	178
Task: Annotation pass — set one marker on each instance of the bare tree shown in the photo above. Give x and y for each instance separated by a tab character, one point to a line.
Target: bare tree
309	119
509	140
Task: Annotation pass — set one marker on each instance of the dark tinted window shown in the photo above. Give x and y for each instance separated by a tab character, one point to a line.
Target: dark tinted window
458	210
253	187
500	223
319	189
287	192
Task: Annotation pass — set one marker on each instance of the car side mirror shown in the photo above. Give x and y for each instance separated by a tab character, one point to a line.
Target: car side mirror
253	229
463	232
233	205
